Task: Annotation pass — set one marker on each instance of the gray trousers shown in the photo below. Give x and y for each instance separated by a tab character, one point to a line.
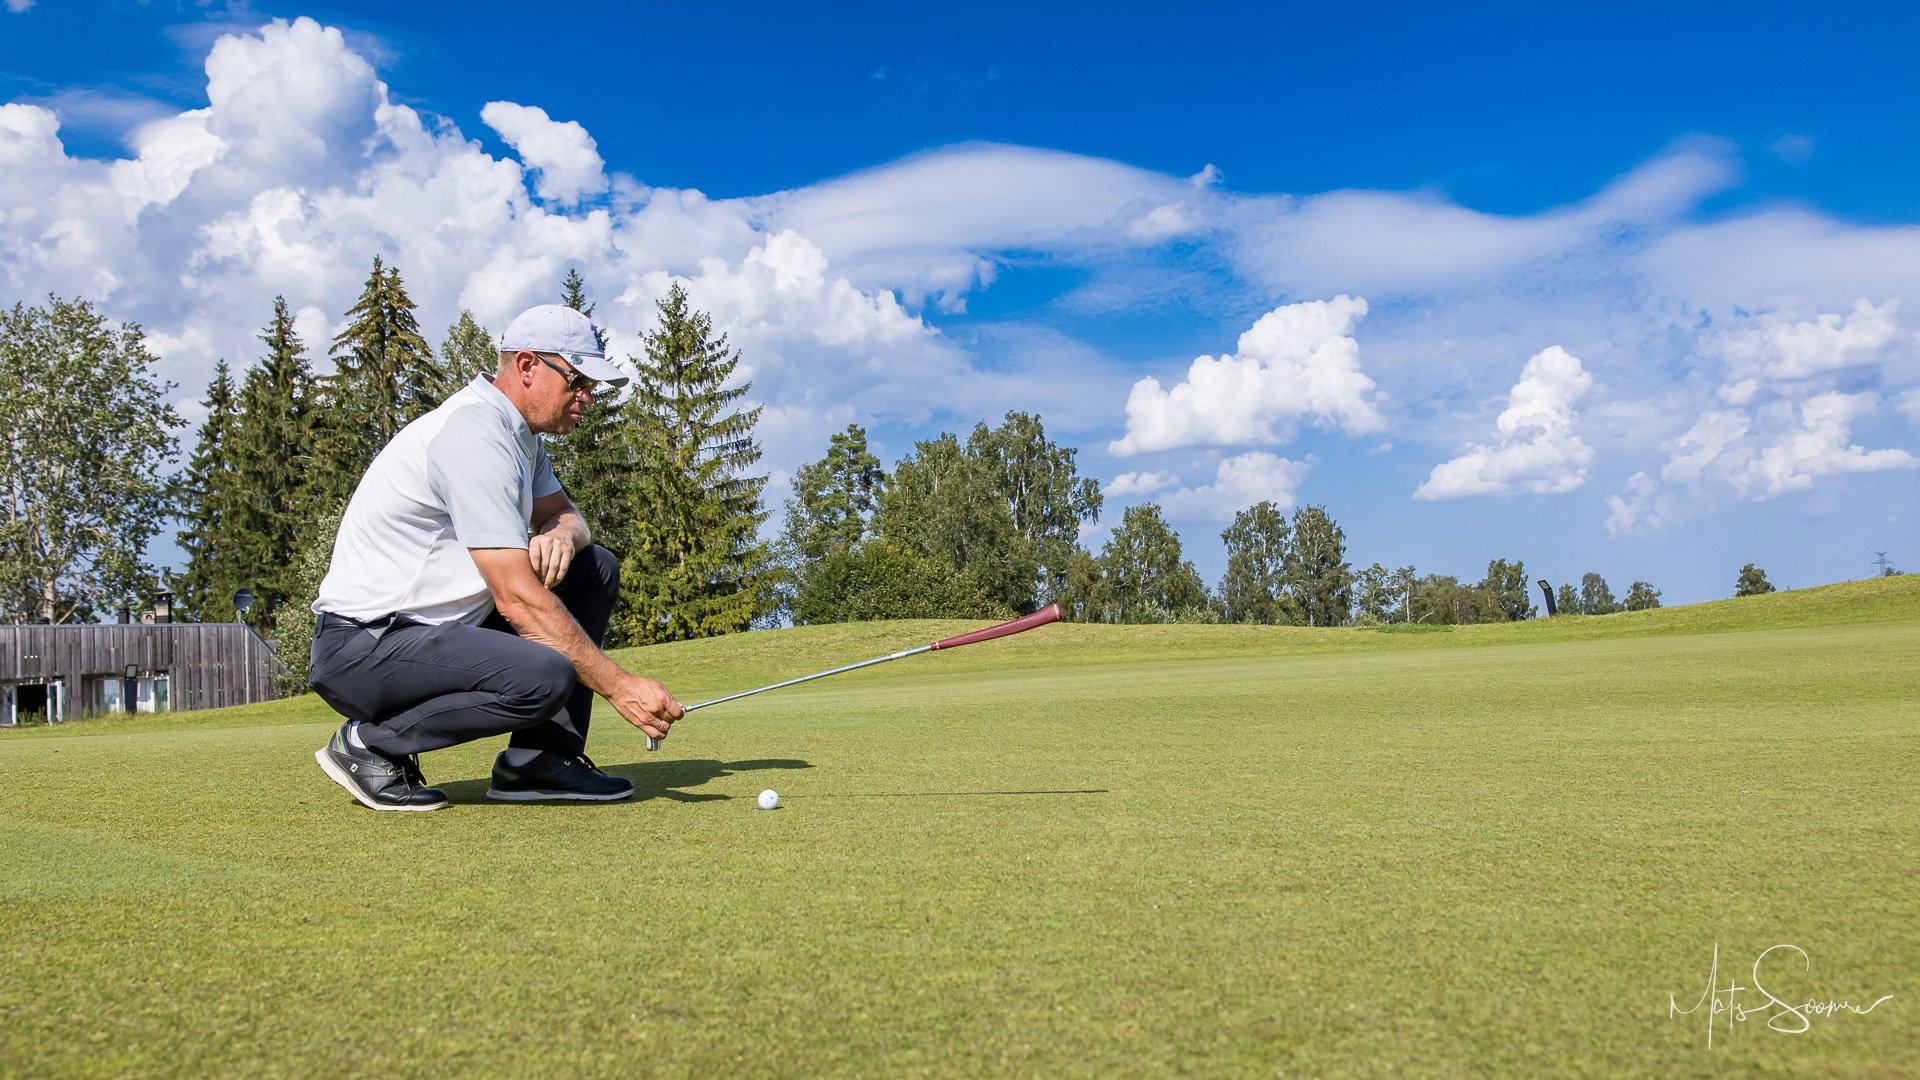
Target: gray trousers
416	687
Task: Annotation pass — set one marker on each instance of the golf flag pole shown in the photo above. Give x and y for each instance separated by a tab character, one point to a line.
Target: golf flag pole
1050	613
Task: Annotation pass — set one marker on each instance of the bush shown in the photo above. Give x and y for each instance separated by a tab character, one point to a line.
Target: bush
293	623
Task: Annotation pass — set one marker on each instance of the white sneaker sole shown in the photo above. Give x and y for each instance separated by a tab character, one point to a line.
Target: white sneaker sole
333	773
554	796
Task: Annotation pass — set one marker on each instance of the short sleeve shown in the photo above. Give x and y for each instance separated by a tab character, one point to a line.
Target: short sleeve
477	479
544	482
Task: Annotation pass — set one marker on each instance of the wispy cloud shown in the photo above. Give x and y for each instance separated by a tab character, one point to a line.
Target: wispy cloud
1743	355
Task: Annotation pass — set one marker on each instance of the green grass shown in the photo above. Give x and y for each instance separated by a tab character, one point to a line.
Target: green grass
1081	851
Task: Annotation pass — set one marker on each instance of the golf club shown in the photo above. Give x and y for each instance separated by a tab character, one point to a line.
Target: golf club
1050	613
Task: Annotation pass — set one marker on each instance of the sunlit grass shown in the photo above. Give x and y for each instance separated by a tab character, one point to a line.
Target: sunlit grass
1084	850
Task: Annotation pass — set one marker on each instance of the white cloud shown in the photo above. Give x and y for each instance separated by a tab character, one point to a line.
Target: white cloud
1702	445
1819	444
1536	448
1775	348
1644	507
19	6
1240	482
302	166
563	154
928	226
1298	362
1782	447
1163	222
1909	405
1138	483
1390	245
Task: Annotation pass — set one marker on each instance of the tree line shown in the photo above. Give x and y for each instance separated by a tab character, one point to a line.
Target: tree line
985	526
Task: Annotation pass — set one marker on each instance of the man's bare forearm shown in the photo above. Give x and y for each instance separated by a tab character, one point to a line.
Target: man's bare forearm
542	618
570	524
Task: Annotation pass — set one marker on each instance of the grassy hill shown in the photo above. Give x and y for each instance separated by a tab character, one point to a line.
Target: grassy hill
1084	850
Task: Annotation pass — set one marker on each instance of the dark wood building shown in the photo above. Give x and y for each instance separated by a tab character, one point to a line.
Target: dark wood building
65	672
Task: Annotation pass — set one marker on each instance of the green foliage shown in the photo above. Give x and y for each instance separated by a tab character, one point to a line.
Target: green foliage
943	503
1506	584
384	377
85	440
1642	596
695	566
272	455
293	623
1254	588
596	461
1046	497
1595	597
833	499
1567	600
1317	570
210	500
1753	582
883	580
573	293
1006	508
1148	581
467	353
1443	600
1373	597
1088	595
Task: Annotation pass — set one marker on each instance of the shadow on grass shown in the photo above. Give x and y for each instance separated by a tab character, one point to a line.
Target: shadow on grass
651	780
949	794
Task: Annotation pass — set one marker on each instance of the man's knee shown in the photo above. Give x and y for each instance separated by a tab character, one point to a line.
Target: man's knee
591	588
599	567
549	678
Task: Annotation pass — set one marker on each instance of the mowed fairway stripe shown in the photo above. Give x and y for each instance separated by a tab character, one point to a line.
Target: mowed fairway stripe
1435	860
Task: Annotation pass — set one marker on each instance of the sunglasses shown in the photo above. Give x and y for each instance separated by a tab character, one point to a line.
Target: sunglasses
576	382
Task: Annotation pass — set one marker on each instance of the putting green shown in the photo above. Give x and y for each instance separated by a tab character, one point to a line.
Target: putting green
1084	851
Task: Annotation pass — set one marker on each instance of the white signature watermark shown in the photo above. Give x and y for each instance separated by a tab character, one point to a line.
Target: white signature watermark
1761	1004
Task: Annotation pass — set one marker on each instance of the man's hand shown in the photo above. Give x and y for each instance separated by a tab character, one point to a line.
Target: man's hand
646	704
551	554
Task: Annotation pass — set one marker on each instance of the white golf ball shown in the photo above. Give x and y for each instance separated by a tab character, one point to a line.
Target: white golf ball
769	799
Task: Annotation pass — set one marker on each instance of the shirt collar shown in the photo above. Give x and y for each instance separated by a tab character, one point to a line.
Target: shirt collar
482	386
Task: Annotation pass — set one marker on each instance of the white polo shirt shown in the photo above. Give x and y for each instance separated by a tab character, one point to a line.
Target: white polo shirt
463	476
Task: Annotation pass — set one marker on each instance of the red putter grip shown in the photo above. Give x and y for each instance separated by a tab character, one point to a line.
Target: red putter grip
1050	613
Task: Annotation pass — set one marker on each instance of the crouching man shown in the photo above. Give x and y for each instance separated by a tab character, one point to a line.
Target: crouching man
464	599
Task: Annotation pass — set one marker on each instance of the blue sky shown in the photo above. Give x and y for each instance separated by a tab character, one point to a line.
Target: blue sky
1619	288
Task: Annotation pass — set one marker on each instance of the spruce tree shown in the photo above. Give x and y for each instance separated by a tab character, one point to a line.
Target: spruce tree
384	376
833	499
467	351
593	461
695	566
272	455
202	592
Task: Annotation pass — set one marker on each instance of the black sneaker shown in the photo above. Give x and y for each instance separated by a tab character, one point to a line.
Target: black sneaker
555	776
376	780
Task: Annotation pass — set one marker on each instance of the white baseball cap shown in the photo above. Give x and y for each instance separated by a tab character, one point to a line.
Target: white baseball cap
557	328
